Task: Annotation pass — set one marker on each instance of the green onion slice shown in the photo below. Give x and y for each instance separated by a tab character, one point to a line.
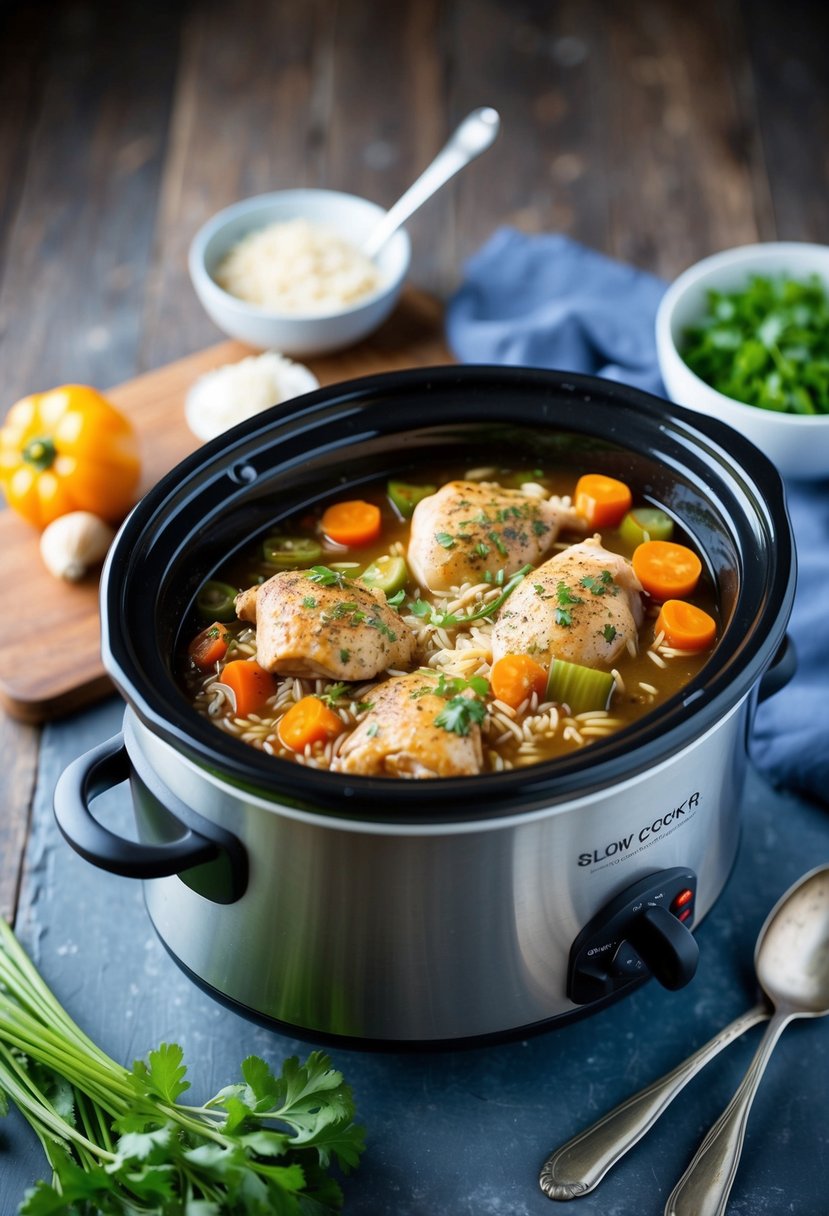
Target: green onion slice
404	497
580	688
217	601
291	552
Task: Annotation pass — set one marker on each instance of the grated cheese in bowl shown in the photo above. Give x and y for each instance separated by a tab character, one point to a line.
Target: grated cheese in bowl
230	394
297	267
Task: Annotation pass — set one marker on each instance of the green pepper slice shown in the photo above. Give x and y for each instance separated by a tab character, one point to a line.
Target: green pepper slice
217	601
646	523
404	497
291	552
390	574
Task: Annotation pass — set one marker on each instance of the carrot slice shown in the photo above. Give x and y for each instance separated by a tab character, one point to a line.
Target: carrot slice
685	626
603	501
352	523
251	685
666	570
515	676
308	721
210	646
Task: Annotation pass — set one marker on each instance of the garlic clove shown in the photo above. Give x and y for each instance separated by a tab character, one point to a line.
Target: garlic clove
73	543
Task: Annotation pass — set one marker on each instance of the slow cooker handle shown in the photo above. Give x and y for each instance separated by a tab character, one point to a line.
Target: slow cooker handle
199	842
783	667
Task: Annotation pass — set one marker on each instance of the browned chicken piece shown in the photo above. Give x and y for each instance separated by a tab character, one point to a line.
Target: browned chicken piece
340	632
471	528
398	736
583	605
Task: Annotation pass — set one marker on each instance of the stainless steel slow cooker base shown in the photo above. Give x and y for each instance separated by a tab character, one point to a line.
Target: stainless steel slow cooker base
427	932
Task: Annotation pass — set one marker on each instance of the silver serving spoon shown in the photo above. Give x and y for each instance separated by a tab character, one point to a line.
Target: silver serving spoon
579	1165
475	134
792	962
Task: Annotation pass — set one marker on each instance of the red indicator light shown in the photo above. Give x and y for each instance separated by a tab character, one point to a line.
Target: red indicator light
684	914
683	898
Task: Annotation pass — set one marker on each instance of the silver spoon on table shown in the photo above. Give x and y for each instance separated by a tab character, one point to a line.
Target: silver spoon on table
474	135
792	963
579	1165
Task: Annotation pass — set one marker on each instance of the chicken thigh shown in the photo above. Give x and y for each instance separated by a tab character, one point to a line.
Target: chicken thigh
398	736
471	528
340	631
583	605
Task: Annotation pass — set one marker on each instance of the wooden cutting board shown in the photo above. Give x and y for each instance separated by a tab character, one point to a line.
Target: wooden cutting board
50	661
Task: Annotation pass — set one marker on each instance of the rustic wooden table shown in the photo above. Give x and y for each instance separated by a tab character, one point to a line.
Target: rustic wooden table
655	130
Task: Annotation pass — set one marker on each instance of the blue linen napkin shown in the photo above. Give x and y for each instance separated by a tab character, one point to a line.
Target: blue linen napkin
547	301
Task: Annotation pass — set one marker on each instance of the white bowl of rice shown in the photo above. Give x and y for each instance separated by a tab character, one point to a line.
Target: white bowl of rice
285	271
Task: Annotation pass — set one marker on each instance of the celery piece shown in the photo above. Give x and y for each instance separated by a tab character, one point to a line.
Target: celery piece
580	688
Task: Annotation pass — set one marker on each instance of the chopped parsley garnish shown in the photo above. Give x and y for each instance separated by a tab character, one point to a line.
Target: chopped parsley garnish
609	633
482	548
453	686
539	527
326	577
397	599
444	539
333	694
450	620
309	602
382	628
539	590
566	599
345	655
599	584
497	542
461	714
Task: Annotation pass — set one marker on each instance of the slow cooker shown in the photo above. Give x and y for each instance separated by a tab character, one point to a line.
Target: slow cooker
378	910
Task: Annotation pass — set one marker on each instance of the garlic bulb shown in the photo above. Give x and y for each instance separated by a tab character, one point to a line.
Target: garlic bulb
73	543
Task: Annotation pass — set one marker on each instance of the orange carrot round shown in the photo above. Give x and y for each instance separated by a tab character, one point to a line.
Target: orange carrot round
308	721
685	626
666	570
353	523
210	646
603	501
251	684
515	677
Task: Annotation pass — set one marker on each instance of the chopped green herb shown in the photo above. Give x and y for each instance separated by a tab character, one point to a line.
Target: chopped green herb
398	598
482	548
461	714
539	527
599	584
540	591
382	628
372	730
333	694
609	633
420	607
444	539
345	655
450	620
309	602
565	596
497	542
326	577
766	345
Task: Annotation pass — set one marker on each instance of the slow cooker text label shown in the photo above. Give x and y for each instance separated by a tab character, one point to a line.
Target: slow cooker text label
622	846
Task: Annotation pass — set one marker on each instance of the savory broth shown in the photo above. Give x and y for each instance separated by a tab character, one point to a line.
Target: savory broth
346	731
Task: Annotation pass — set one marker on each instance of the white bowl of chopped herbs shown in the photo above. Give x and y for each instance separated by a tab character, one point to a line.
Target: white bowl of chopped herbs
744	336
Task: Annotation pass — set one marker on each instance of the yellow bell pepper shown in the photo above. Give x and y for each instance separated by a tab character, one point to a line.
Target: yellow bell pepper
66	450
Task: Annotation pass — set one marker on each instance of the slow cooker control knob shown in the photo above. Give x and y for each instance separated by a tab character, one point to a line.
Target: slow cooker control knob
666	947
643	931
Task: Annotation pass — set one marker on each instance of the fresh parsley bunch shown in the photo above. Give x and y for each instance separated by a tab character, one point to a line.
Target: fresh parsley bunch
119	1141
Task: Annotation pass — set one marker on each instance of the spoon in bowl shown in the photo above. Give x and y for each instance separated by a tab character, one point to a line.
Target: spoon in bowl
474	135
792	963
578	1166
